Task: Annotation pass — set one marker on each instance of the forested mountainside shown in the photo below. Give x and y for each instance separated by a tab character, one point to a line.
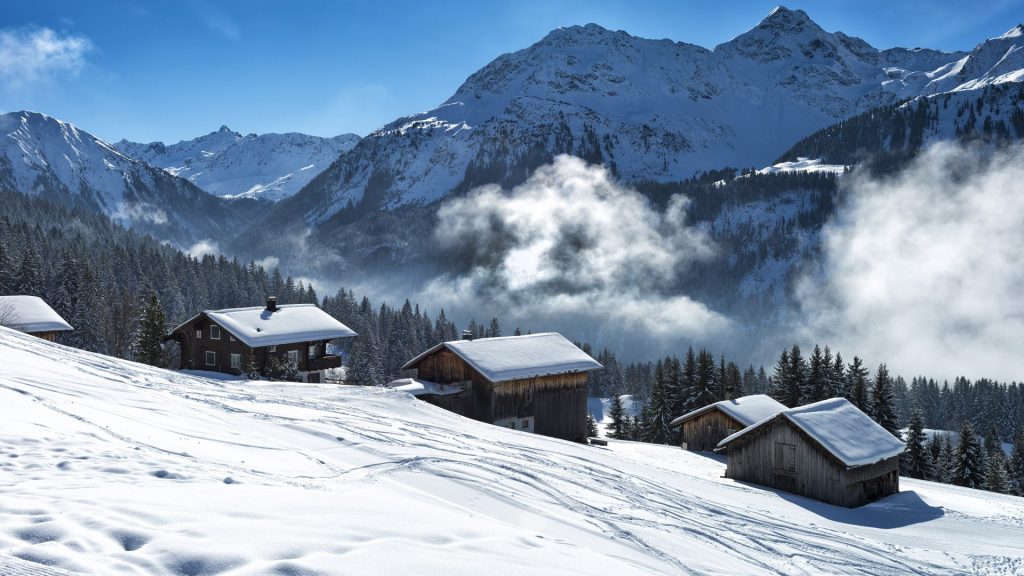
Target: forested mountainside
228	164
45	157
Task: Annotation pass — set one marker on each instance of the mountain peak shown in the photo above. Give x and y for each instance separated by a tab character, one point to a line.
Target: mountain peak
1015	32
224	129
784	19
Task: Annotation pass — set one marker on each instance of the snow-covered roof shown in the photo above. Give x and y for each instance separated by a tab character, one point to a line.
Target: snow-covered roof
257	326
418	387
515	357
840	428
30	314
746	410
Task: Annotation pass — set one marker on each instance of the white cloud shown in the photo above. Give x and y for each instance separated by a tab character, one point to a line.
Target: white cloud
924	270
139	212
204	247
571	246
31	55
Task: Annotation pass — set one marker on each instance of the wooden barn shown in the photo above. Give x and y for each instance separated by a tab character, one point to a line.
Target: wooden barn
705	427
30	314
535	383
224	340
829	451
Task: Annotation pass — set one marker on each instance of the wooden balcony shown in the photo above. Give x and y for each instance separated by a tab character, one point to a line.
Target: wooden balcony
324	362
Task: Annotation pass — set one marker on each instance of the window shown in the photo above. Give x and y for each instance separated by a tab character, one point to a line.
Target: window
214	332
236	361
211	358
293	356
785	458
312	351
525	423
199	334
230	337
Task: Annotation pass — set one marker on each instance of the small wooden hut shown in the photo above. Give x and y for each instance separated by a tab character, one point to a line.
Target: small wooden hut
705	427
535	383
31	315
828	450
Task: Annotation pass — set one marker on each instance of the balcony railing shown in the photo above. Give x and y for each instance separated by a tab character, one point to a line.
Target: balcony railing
324	362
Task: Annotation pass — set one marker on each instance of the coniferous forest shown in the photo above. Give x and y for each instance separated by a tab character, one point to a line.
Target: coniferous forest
120	290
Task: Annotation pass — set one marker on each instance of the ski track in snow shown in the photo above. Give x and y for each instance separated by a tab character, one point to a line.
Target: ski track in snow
111	467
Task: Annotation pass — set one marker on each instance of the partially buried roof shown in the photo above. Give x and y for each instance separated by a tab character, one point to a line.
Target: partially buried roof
516	357
257	326
746	410
840	428
30	314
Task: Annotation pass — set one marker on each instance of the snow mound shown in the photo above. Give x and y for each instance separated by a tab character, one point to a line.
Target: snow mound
112	467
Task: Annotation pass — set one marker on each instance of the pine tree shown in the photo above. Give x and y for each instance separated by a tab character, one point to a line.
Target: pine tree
969	464
30	275
947	462
660	413
252	371
1016	474
857	384
882	402
996	478
148	348
813	388
916	461
591	426
617	427
365	364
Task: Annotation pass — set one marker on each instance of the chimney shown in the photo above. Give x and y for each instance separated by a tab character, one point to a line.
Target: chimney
271	303
467	334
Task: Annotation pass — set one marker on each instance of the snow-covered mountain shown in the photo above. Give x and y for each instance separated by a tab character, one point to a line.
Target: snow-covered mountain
115	467
43	156
652	110
226	163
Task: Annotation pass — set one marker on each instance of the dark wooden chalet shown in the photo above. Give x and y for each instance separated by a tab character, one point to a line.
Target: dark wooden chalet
224	340
829	451
32	315
535	383
705	427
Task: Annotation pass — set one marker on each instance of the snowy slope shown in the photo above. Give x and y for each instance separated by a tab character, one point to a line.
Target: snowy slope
226	163
44	156
113	467
651	109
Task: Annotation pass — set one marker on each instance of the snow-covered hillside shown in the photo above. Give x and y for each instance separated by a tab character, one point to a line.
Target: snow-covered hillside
113	467
650	109
44	156
226	163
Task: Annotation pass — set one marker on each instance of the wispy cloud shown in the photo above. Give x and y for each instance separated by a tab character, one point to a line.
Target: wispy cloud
924	269
218	21
29	55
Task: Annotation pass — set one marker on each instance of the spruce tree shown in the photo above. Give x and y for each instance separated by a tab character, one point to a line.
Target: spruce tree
1016	474
813	388
996	478
883	408
365	361
857	384
148	348
916	461
969	463
617	427
591	426
947	461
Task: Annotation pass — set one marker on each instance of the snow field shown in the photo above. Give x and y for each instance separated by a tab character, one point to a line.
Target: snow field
110	467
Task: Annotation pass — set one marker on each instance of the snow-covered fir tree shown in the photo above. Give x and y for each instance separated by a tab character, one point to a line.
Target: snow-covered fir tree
969	462
916	461
148	348
882	406
617	427
857	385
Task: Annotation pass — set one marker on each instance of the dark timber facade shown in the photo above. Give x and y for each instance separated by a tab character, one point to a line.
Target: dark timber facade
554	405
705	431
781	455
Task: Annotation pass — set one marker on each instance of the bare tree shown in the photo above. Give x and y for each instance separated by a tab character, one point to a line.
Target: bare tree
7	314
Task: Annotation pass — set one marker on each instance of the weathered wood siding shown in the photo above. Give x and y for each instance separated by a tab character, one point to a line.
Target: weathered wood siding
557	403
708	429
782	456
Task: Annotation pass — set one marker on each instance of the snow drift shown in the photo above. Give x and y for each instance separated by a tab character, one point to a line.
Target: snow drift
110	467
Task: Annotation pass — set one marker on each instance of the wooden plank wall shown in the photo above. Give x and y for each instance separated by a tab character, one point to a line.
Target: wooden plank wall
558	403
705	431
817	475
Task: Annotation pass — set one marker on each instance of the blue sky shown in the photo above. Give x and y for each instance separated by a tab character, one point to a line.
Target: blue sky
175	70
